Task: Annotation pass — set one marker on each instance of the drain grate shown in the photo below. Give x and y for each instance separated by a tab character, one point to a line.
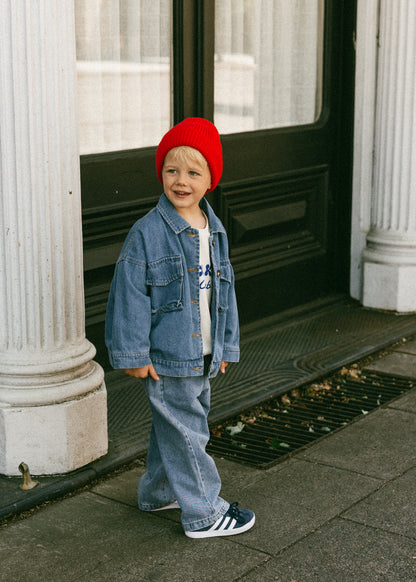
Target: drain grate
270	432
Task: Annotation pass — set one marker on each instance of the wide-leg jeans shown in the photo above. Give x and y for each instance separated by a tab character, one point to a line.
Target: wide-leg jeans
178	466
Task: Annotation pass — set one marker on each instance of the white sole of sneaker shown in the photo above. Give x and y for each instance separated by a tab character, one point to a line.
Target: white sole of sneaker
173	505
215	533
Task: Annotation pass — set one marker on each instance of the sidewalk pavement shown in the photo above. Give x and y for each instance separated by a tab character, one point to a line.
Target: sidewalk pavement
342	509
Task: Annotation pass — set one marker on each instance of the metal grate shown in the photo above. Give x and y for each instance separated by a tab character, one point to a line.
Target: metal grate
287	351
270	432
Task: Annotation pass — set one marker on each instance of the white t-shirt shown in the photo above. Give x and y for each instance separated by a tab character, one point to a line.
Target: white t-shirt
205	271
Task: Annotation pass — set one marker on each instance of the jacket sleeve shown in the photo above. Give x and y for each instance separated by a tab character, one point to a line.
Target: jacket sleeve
127	325
231	350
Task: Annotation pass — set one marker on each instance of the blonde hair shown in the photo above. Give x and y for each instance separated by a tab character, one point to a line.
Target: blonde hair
188	154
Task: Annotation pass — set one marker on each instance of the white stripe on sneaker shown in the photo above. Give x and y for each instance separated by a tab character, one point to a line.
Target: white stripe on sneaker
229	525
225	522
234	522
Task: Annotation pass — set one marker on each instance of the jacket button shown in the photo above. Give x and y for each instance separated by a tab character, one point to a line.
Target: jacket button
218	273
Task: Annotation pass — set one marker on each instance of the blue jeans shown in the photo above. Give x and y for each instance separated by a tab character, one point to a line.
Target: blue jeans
178	466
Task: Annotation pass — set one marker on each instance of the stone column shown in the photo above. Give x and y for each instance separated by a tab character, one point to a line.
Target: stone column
53	413
390	256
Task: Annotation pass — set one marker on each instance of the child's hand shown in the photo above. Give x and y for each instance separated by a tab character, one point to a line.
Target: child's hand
143	372
223	365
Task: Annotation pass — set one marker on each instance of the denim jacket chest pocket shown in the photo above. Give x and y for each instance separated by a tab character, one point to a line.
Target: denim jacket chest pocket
224	275
164	279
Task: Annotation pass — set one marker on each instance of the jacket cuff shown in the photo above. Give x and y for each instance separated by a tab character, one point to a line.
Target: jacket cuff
128	361
231	354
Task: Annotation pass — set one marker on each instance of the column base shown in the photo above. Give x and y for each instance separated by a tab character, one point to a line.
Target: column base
390	286
54	438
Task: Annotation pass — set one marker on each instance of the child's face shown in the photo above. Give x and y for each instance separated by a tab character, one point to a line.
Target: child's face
185	182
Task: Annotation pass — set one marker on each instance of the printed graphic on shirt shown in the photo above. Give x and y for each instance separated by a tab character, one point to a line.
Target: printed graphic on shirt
205	274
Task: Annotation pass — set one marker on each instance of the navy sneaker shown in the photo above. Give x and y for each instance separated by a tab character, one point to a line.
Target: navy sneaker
235	521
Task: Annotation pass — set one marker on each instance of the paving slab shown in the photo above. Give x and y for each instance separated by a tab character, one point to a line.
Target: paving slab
88	537
402	365
380	445
238	478
289	499
122	488
235	478
391	508
164	559
71	537
296	499
406	402
342	551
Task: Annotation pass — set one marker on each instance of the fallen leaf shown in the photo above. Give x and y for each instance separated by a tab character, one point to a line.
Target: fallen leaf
233	430
355	374
274	443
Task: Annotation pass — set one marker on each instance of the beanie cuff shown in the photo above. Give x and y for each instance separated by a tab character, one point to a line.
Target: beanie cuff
199	134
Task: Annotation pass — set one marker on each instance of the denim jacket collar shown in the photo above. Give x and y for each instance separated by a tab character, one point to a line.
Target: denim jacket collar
178	224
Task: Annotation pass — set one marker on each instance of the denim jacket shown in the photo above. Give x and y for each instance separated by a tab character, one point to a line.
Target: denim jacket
153	309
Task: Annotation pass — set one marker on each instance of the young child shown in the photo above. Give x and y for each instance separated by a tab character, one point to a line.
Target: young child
172	322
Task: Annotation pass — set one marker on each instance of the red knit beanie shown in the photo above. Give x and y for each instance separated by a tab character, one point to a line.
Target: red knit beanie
197	133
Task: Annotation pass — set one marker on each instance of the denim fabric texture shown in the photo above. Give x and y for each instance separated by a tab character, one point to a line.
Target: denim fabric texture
153	312
153	317
178	466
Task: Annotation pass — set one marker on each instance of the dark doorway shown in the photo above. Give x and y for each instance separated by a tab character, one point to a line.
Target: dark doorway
285	195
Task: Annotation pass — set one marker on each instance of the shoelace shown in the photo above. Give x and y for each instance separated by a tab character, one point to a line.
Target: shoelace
234	512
